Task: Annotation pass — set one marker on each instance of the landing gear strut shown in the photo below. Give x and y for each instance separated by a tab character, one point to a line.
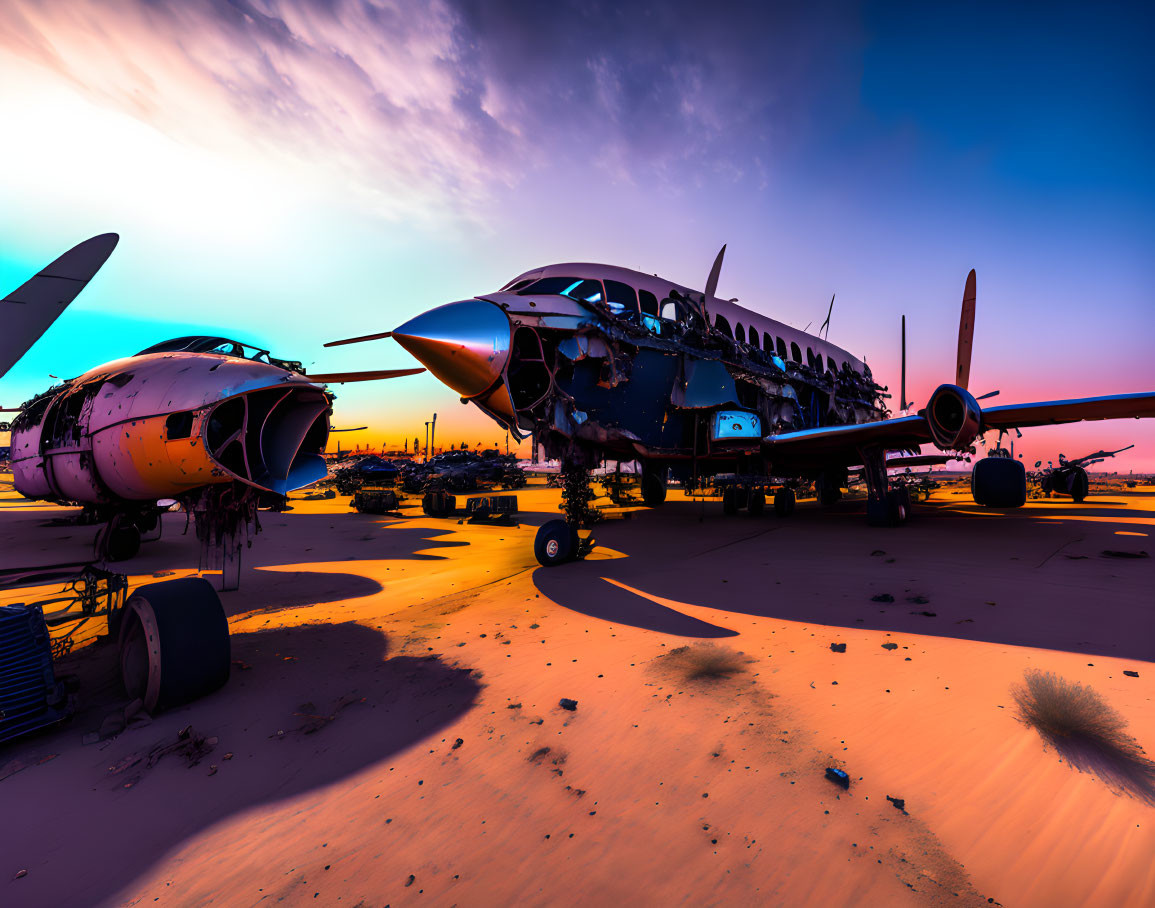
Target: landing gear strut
885	506
558	541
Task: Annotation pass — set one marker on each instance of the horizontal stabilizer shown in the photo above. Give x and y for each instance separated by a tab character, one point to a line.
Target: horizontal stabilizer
27	312
360	340
338	378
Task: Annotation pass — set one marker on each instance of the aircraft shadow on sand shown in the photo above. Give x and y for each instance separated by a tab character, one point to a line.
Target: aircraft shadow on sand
305	707
817	568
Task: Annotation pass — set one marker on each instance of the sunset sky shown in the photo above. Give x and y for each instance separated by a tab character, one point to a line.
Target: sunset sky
290	172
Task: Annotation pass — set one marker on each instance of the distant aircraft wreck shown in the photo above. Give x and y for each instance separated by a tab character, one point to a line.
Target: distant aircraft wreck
599	362
210	422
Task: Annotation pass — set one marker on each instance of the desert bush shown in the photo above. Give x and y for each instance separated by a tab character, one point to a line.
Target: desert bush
1085	731
704	662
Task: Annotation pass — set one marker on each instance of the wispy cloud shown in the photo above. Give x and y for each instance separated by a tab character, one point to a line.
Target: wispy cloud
424	108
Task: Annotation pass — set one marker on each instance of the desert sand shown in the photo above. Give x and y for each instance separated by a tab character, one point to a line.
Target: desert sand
392	734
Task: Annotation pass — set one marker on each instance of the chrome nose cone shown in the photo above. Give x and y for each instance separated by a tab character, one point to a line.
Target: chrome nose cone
466	344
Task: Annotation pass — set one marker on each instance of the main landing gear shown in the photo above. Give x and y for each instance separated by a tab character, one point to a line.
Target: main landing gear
120	538
559	541
885	505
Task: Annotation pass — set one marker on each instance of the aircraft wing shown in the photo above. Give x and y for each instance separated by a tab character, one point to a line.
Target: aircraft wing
27	312
337	378
1051	412
841	444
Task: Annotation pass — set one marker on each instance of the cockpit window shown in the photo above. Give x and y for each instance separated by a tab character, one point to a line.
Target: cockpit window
221	346
577	288
514	286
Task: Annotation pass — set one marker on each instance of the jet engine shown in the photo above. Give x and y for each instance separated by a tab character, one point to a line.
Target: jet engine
954	418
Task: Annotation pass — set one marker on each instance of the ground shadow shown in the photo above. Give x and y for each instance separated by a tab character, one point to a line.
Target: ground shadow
305	707
996	577
266	591
285	538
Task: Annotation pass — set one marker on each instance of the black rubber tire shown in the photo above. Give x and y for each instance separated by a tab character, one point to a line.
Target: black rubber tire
757	504
1080	485
729	502
554	543
174	643
784	501
999	482
653	489
122	542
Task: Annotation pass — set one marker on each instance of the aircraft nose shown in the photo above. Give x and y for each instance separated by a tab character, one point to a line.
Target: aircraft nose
465	345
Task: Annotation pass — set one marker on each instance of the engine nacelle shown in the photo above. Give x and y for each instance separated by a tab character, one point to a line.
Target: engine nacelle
954	417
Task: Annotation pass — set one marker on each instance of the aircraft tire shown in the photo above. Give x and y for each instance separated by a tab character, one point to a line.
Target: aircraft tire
554	543
653	489
999	482
174	643
1080	485
784	501
757	504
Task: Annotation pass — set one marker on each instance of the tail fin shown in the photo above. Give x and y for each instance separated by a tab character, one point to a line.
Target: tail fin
30	310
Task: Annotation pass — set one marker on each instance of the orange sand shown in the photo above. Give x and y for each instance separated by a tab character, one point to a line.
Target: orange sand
658	789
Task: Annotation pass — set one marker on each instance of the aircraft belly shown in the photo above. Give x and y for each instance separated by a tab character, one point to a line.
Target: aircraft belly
137	460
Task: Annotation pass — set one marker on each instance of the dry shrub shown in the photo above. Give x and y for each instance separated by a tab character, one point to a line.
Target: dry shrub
1085	731
704	662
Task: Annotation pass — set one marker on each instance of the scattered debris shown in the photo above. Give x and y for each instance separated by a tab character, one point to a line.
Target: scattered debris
566	703
899	803
409	882
838	777
882	597
14	766
457	744
538	755
926	613
314	722
20	874
1131	674
189	743
1070	557
890	646
1115	553
838	647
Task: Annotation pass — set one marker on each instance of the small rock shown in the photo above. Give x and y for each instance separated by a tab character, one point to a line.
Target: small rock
1131	674
409	882
457	744
926	614
890	646
1111	553
882	597
838	777
838	647
20	873
566	703
899	803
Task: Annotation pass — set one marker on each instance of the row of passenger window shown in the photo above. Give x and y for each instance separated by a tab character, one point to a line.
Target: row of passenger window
774	345
620	297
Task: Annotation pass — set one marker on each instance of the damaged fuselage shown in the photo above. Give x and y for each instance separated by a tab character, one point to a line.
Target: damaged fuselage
597	361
